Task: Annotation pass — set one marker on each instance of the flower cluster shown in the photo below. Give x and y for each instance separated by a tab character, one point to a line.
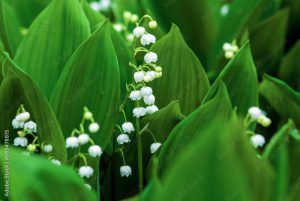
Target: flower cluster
255	114
230	49
80	138
27	133
138	91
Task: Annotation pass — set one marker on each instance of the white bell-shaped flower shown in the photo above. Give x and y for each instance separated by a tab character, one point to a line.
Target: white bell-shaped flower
48	148
150	57
138	76
257	140
123	138
139	31
127	127
139	112
135	95
255	112
125	170
146	91
20	141
30	125
56	162
149	100
17	124
86	171
94	127
83	138
154	147
71	142
147	39
151	109
95	150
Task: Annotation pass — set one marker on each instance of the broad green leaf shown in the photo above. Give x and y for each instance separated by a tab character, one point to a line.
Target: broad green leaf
18	88
33	178
276	151
51	40
162	122
240	78
90	78
289	70
9	28
277	139
268	41
220	164
198	21
294	194
281	97
184	78
28	10
240	12
194	125
94	17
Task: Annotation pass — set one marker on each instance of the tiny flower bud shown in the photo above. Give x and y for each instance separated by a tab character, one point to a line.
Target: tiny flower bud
127	15
158	74
125	170
229	54
264	121
88	115
123	138
152	24
134	18
94	127
31	148
154	147
118	27
21	133
127	127
158	69
86	171
147	78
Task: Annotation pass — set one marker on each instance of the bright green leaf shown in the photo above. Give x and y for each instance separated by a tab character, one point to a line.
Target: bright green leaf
51	40
90	78
184	78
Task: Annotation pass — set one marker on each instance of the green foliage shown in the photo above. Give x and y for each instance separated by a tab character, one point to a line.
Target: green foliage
18	88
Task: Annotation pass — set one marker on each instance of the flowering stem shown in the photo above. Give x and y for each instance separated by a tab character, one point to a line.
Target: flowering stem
123	158
139	154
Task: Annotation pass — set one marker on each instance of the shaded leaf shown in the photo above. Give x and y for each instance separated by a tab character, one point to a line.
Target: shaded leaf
240	78
184	78
51	40
90	78
44	180
268	41
289	70
192	126
18	88
9	28
281	97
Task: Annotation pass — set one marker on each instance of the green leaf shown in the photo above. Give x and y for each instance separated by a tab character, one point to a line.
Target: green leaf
32	178
240	78
94	17
281	97
184	78
194	125
220	164
90	78
9	28
294	194
199	25
239	12
18	88
289	70
268	40
169	115
51	40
